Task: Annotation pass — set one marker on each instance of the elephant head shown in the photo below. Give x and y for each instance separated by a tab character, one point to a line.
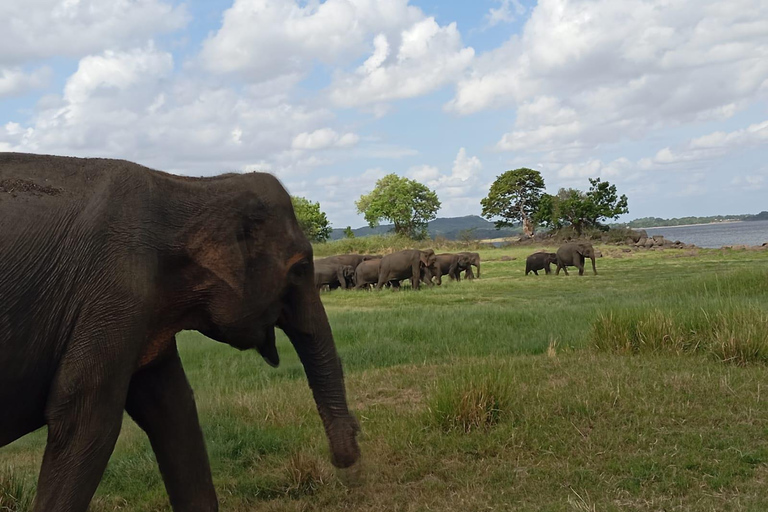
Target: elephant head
249	267
428	258
348	273
587	251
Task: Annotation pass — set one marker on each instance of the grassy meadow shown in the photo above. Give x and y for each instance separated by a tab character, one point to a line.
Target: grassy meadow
642	388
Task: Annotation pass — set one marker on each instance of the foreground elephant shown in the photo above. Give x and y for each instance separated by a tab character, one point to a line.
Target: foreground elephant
102	263
540	260
334	275
406	264
474	259
573	254
452	265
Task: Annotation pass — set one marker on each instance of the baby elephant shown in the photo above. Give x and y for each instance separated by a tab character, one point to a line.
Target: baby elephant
540	260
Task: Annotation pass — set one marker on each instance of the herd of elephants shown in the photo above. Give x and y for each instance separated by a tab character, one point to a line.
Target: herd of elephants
103	262
363	271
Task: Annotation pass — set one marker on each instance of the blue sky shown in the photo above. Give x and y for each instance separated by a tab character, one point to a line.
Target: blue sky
666	99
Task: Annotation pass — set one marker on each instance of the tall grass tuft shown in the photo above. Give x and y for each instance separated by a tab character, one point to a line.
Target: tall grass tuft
16	494
731	334
305	475
475	400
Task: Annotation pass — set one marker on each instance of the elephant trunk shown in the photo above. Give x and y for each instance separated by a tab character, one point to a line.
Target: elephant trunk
478	269
306	324
594	269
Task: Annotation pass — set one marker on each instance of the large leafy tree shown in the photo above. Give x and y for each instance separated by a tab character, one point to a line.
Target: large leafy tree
579	209
312	220
514	198
407	204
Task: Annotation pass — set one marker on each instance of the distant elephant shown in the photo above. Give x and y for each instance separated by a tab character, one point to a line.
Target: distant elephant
334	275
474	259
353	260
573	254
540	260
102	262
405	264
452	265
367	273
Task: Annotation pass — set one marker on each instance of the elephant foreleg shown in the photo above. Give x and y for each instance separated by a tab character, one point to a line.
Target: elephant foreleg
161	402
84	414
547	269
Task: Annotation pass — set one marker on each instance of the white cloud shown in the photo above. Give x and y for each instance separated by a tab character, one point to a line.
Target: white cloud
621	69
324	138
504	14
129	104
44	28
429	56
14	81
461	190
267	38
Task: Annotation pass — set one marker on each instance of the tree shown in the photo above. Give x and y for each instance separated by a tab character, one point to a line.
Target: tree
514	197
407	204
348	233
312	220
581	209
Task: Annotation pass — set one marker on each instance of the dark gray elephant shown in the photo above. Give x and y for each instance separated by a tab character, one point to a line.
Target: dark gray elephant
573	254
103	262
367	274
474	259
353	260
334	275
407	264
452	265
540	260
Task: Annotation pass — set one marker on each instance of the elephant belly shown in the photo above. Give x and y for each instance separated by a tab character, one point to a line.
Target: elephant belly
23	408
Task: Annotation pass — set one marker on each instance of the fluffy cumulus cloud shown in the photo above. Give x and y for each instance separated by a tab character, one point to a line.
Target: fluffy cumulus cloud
587	72
459	190
44	28
267	38
131	104
428	56
14	81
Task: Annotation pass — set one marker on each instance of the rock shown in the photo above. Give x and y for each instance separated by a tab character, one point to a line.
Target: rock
508	258
626	249
650	242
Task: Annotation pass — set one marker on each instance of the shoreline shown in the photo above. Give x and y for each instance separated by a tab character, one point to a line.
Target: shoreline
689	225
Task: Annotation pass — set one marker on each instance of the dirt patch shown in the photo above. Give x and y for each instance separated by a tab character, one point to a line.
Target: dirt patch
16	186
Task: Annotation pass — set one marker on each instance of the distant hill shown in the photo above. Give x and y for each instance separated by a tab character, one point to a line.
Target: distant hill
649	222
450	228
759	216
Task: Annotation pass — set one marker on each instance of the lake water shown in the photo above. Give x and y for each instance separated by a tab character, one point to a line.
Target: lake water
717	235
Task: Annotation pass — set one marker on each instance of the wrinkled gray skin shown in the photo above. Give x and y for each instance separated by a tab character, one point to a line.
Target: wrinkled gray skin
573	254
334	275
540	260
353	260
102	263
474	259
452	265
406	264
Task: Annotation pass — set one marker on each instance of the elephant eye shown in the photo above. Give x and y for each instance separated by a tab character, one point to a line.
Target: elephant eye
299	271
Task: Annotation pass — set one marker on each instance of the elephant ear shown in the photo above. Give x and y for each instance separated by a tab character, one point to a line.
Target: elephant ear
581	249
423	258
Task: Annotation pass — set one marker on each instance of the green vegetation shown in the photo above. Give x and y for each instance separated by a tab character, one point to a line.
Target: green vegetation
581	210
408	204
514	198
650	222
642	388
759	216
312	220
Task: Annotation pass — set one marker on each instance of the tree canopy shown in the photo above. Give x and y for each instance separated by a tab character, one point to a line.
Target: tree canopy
312	220
581	209
514	197
407	204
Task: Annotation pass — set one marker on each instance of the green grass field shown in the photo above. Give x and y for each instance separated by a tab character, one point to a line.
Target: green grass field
642	388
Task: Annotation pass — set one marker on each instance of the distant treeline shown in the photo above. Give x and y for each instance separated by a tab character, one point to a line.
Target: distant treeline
647	222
